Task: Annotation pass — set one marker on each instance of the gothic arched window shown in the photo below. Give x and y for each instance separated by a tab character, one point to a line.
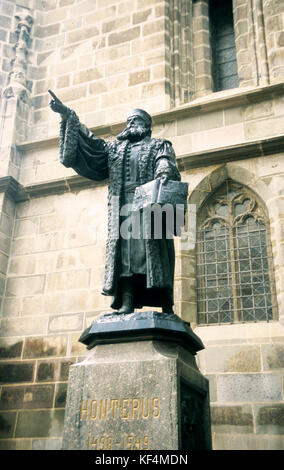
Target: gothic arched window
235	280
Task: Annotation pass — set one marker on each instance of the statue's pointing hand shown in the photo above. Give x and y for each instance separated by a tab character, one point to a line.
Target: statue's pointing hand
57	106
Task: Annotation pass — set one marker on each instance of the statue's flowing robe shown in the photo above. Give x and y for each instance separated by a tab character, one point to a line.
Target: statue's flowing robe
98	160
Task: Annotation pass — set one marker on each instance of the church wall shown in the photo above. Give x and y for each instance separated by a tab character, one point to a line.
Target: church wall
103	62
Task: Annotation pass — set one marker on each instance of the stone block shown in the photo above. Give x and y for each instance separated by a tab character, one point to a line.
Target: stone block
43	304
25	285
141	16
258	110
7	424
232	419
5	243
47	346
269	418
64	369
86	6
139	77
87	75
27	397
11	348
82	34
211	120
124	36
45	423
46	444
110	99
152	27
61	323
263	128
68	280
124	65
149	43
45	372
15	444
247	442
15	372
112	53
73	23
115	25
5	22
60	395
188	125
45	31
74	93
214	138
86	105
101	14
77	349
6	224
63	81
272	356
12	307
146	3
249	387
26	227
233	359
22	265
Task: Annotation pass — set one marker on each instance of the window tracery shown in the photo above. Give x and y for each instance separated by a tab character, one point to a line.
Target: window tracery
235	281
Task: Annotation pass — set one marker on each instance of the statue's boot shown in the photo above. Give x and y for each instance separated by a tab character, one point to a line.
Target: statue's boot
127	297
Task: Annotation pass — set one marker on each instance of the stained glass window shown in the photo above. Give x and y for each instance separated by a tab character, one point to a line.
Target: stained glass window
224	61
235	281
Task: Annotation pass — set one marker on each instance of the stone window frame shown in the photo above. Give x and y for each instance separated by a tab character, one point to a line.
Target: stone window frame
251	45
238	265
185	281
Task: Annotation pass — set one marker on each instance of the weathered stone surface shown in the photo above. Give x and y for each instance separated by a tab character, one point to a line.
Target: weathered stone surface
124	36
15	444
7	423
24	397
247	442
237	419
249	387
60	395
11	348
14	372
270	418
45	423
46	444
110	406
273	356
45	346
45	371
232	359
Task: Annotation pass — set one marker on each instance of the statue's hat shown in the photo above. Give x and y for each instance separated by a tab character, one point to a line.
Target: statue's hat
141	113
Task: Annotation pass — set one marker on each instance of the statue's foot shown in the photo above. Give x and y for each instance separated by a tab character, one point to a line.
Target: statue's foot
125	309
127	304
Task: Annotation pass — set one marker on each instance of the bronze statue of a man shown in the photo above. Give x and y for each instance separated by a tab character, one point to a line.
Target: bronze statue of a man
138	271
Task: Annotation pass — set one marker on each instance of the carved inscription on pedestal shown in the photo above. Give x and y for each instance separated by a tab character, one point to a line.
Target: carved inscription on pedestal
119	410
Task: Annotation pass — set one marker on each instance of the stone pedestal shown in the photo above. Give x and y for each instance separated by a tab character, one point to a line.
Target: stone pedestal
139	387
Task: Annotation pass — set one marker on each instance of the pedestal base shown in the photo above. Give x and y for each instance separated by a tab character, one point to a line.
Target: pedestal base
143	394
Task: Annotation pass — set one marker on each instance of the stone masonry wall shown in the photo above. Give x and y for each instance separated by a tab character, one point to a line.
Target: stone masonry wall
99	56
104	57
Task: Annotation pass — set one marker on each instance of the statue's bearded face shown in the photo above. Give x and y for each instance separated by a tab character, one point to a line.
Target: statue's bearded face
136	129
